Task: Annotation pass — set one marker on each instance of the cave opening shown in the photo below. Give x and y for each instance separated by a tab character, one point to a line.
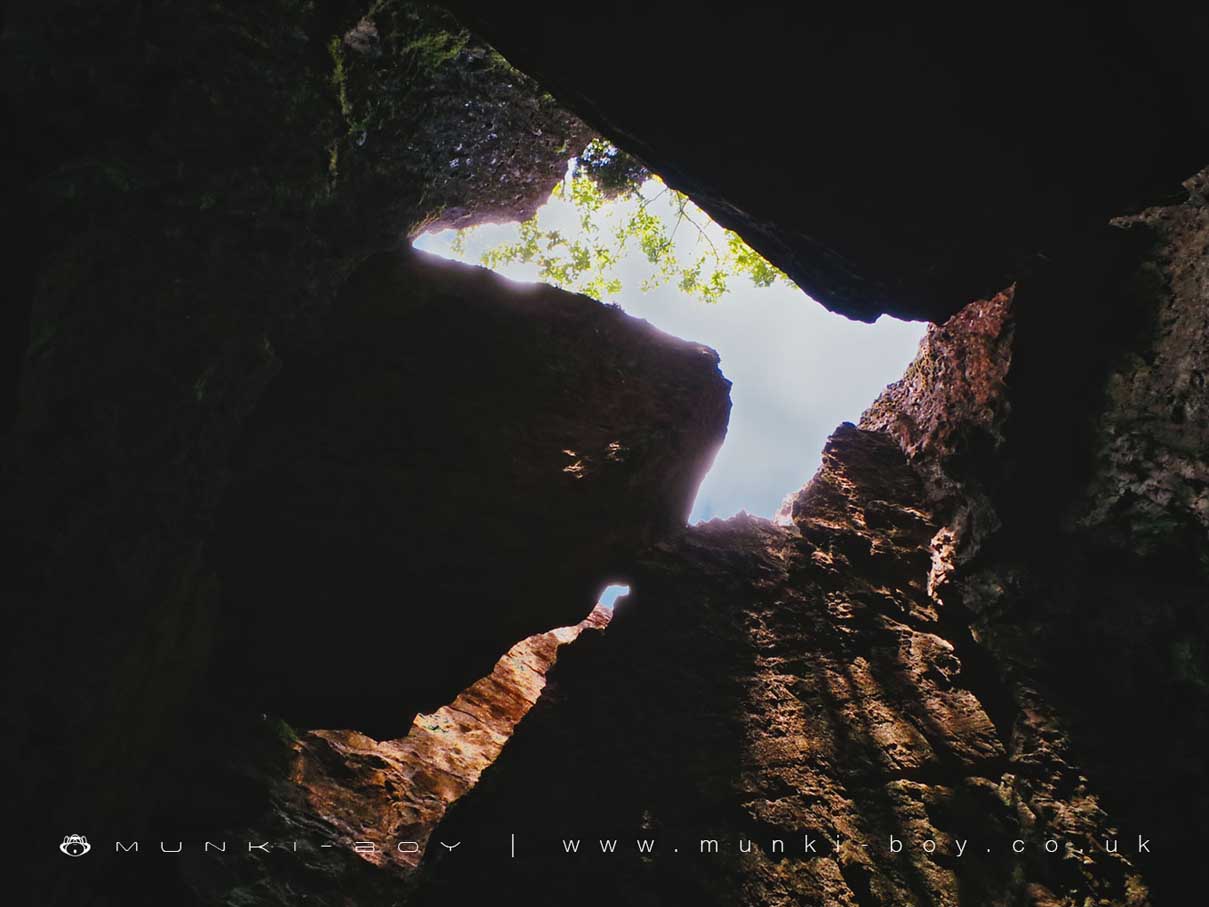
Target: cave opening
611	594
616	232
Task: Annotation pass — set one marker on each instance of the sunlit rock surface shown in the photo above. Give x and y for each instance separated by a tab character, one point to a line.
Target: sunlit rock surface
980	624
401	788
441	757
763	683
344	787
1065	456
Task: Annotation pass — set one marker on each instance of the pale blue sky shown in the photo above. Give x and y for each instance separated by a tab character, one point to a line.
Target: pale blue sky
798	370
609	597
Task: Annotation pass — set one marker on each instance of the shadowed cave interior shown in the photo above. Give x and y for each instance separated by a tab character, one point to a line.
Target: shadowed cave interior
295	555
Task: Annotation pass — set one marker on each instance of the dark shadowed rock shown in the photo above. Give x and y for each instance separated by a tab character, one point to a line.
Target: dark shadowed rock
760	685
1065	457
195	184
892	158
459	463
989	616
263	462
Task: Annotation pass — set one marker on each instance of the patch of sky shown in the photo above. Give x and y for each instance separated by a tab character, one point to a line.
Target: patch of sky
797	369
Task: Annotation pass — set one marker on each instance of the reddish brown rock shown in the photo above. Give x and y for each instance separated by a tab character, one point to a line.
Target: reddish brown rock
762	683
262	462
362	810
968	625
389	791
947	414
1065	459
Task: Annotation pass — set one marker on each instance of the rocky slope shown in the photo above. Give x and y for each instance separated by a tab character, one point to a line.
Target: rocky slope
402	788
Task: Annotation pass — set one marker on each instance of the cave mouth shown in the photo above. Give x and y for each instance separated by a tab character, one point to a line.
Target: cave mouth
797	369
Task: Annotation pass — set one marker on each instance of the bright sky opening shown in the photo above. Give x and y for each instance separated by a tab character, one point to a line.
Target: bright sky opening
797	370
609	597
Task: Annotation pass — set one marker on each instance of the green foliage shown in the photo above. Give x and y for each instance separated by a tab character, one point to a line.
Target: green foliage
283	732
434	49
613	171
606	191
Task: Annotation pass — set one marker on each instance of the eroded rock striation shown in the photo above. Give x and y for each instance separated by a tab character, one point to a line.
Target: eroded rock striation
1066	467
764	684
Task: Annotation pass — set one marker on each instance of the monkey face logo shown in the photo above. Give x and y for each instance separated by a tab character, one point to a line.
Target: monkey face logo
75	845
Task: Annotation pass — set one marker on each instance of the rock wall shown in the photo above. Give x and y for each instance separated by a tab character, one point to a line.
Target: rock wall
1072	537
948	641
767	683
460	463
888	158
199	186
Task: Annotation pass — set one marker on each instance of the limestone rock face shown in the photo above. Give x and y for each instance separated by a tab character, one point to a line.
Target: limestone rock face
948	415
763	683
1100	592
1065	458
1149	478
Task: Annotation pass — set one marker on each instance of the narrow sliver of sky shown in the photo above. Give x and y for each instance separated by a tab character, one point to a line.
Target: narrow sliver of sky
797	370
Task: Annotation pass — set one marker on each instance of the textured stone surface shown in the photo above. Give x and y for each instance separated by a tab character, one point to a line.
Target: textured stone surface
1069	485
1151	471
947	413
344	787
1108	604
762	683
987	612
400	789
